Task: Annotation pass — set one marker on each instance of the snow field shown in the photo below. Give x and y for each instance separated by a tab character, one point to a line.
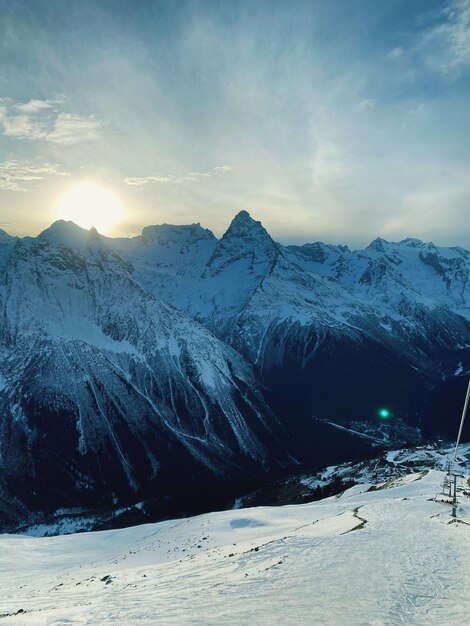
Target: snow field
384	557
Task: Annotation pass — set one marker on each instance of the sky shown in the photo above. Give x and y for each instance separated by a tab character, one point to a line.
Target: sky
338	120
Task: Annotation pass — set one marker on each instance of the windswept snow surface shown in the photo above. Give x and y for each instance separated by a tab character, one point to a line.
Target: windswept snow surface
390	556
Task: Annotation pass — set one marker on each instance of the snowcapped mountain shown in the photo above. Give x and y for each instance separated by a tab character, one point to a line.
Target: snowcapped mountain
160	366
107	394
341	561
421	292
389	321
410	297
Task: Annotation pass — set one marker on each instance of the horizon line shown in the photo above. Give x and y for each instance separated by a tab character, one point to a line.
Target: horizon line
338	245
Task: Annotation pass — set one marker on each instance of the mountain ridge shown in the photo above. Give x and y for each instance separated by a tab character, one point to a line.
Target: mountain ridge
118	351
100	381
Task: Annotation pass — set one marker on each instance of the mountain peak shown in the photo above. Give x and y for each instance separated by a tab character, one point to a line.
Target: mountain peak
94	240
412	242
60	226
4	236
165	234
66	233
243	225
378	244
243	215
93	233
246	241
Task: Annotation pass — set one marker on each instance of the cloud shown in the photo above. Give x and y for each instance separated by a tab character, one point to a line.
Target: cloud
193	177
14	174
365	105
22	127
395	54
34	106
70	129
42	120
273	97
446	46
224	168
150	179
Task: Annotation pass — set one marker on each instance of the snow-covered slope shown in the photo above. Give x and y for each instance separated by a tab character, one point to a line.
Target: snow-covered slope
375	472
389	321
168	259
420	292
410	296
384	556
108	395
438	273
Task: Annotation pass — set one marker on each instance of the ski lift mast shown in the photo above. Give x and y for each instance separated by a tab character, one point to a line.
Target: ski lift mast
452	472
464	412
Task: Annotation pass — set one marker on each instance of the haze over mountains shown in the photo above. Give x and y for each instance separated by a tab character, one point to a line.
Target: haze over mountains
175	367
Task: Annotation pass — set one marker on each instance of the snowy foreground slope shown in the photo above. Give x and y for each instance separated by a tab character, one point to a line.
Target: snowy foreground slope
387	556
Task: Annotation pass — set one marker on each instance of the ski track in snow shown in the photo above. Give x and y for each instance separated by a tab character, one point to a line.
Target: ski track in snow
388	557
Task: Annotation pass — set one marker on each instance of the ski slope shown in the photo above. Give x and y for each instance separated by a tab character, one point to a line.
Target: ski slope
387	556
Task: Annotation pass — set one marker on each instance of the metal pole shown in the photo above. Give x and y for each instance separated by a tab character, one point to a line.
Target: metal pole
454	498
467	398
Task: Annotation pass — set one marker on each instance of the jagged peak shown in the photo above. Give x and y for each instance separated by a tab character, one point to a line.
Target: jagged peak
60	226
245	237
99	253
243	225
412	242
69	234
94	239
66	233
378	244
165	233
243	215
316	245
462	251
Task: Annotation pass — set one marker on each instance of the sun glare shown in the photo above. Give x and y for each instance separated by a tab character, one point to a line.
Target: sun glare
90	205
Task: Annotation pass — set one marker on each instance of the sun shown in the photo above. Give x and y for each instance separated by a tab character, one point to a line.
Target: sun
90	205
